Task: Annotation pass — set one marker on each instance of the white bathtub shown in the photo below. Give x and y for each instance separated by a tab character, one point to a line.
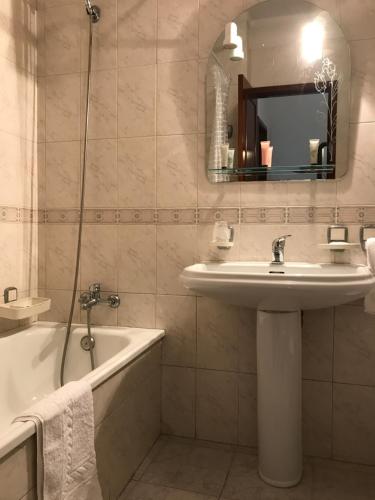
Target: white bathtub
30	366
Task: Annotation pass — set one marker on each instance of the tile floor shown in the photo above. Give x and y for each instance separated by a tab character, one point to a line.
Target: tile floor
183	469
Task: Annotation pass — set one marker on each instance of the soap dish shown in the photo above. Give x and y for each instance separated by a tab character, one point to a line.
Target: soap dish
25	308
221	245
339	246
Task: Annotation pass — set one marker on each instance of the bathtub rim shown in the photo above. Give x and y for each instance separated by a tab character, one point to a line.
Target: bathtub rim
19	432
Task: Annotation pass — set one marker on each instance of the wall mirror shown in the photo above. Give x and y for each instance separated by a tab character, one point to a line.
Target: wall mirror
278	96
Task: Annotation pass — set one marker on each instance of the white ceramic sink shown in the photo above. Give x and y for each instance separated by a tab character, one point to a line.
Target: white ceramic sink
288	287
279	293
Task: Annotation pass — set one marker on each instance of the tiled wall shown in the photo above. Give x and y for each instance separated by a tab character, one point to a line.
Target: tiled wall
18	148
150	213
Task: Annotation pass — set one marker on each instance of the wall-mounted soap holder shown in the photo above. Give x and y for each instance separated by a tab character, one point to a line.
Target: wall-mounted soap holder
223	236
362	238
24	308
337	238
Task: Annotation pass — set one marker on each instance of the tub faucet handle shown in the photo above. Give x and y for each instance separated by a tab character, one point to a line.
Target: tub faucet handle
95	290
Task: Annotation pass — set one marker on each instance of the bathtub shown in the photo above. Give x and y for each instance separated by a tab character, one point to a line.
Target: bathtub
30	366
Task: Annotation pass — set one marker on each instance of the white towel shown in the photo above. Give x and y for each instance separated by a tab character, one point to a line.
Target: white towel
370	297
66	460
370	251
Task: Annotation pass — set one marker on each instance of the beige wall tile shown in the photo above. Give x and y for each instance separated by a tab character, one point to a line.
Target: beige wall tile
17	100
177	103
217	335
99	257
137	172
62	39
137	265
312	193
41	109
176	249
353	423
103	104
101	179
62	107
317	344
357	21
354	354
256	241
60	306
217	402
137	33
178	401
363	81
60	256
12	166
137	310
178	316
63	174
177	30
317	418
247	410
136	101
119	453
261	194
177	171
18	471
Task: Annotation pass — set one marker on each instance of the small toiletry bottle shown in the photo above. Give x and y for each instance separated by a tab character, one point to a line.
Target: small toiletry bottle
269	157
231	153
314	147
224	149
264	146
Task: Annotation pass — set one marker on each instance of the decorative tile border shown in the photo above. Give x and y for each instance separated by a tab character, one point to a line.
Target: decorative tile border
192	216
267	215
23	215
311	215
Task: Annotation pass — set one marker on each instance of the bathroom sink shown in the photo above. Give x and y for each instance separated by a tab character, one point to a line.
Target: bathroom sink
279	293
288	287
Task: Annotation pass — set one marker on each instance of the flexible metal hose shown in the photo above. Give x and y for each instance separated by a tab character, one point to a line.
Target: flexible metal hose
82	207
91	340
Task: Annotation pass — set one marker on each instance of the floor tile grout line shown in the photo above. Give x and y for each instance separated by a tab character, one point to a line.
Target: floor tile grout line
227	475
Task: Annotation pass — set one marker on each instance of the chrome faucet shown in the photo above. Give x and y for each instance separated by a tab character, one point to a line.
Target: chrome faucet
93	297
278	246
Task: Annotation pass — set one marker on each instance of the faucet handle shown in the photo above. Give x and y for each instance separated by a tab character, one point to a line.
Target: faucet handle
95	287
281	239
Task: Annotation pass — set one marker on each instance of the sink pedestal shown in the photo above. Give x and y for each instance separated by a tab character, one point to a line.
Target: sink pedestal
279	397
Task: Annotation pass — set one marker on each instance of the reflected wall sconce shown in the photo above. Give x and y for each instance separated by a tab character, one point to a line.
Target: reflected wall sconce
238	53
230	39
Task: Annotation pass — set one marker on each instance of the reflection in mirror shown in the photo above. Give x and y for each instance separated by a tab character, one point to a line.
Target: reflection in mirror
277	92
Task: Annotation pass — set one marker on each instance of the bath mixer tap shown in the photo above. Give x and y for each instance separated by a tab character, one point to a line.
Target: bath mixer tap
93	297
278	246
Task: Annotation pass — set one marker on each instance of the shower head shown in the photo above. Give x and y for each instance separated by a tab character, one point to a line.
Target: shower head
93	11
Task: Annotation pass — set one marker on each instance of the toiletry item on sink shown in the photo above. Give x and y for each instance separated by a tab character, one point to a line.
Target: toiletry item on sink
265	146
231	152
314	148
224	149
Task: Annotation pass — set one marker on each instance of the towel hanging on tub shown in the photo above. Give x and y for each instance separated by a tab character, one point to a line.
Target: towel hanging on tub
66	460
370	297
